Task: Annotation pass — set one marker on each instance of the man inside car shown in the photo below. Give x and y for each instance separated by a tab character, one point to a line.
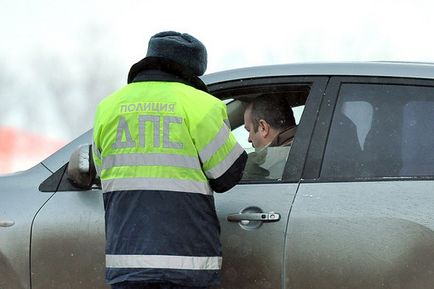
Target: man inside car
270	122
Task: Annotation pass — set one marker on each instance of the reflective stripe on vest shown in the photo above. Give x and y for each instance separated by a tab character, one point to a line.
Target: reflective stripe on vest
159	184
164	262
214	145
222	167
151	159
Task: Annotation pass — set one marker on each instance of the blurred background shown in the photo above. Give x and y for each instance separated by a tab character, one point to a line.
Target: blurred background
59	58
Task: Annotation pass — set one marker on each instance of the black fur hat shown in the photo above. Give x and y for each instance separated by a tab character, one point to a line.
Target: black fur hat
181	48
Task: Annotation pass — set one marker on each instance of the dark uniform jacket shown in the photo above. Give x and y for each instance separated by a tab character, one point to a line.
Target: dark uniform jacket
165	223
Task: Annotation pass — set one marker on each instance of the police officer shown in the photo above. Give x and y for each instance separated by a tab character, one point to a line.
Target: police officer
162	145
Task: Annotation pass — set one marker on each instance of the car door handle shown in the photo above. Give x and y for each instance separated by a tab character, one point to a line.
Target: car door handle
264	217
6	223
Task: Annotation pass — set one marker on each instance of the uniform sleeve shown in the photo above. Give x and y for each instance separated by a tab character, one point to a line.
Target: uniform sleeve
231	177
222	158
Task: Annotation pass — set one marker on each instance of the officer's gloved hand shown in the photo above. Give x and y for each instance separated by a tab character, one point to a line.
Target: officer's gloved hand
81	170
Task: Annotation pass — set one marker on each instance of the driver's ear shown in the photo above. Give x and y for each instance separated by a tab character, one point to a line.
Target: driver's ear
264	128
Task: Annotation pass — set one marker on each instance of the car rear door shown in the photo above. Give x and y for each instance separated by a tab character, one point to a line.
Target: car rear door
254	214
363	215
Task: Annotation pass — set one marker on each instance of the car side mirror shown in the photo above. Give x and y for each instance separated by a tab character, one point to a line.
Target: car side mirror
81	169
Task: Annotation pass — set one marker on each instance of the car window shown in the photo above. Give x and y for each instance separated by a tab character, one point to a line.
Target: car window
271	164
381	130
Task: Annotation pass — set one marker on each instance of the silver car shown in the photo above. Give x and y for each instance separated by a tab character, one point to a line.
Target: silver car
351	206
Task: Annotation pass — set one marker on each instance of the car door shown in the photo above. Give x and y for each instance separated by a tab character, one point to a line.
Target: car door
363	215
68	237
254	214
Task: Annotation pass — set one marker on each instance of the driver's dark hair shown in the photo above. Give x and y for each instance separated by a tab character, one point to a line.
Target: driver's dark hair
274	109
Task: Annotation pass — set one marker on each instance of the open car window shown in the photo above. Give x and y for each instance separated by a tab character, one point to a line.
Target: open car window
265	165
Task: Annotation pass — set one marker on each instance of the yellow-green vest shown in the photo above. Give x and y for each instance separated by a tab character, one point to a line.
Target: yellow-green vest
162	136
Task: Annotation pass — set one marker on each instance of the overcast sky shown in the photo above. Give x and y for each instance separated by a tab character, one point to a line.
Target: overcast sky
37	35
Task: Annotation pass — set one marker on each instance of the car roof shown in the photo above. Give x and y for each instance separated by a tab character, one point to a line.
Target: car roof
380	69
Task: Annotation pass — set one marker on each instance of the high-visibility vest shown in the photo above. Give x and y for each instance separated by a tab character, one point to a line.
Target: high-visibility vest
155	141
162	135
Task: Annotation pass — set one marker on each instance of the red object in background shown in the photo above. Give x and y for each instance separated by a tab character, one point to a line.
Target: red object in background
20	150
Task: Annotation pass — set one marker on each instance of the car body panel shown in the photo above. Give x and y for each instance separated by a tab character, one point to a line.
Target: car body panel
19	204
68	242
68	234
361	235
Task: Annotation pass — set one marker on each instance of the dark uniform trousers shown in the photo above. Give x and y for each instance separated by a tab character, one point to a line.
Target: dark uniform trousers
140	285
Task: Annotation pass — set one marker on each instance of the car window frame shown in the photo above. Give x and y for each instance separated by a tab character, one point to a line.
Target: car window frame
294	166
